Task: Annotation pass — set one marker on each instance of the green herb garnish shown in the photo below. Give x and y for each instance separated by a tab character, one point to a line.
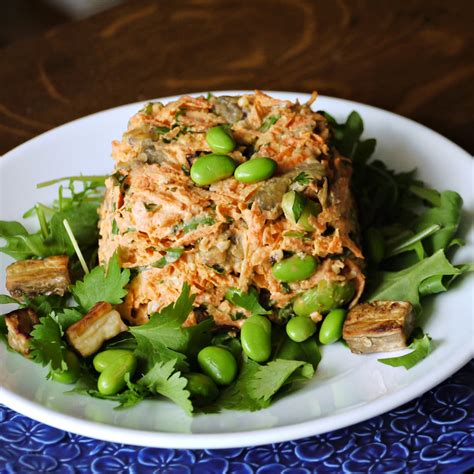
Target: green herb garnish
269	122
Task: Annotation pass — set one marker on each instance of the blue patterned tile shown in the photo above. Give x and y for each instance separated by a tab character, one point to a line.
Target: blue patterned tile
434	433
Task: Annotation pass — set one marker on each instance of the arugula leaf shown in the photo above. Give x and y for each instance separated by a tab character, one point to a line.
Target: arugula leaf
404	284
268	122
6	299
164	380
248	301
269	378
19	244
447	215
421	348
47	345
102	285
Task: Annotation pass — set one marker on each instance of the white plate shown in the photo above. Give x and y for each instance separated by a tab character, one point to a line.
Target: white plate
347	388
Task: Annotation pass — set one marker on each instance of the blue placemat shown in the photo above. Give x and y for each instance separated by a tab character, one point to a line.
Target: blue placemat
434	433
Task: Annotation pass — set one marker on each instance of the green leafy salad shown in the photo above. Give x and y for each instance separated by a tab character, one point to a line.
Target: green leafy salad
409	234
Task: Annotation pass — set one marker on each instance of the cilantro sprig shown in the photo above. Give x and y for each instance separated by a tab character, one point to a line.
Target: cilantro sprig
102	284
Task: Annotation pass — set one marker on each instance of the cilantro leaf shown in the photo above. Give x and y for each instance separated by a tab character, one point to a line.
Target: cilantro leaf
47	345
102	285
135	393
404	284
421	348
172	255
248	301
150	351
165	327
164	338
163	379
236	396
269	378
68	317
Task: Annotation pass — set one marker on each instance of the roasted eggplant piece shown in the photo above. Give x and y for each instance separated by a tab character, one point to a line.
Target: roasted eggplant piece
101	323
379	326
49	276
20	323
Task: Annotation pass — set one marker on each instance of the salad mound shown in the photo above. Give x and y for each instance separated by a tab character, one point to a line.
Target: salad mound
229	234
229	253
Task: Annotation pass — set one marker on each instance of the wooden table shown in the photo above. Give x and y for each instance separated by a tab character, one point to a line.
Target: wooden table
413	57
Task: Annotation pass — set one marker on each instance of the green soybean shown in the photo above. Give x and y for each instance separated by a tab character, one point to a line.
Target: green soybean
295	268
255	336
310	209
71	374
256	169
300	328
211	168
202	388
219	364
113	368
293	204
331	327
220	139
105	358
326	295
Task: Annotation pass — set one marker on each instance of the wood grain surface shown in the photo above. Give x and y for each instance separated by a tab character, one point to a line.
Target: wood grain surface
412	57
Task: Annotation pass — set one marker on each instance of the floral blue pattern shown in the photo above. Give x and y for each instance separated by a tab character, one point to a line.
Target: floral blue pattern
434	433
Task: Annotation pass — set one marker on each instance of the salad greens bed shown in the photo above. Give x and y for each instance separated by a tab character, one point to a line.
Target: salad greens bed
409	235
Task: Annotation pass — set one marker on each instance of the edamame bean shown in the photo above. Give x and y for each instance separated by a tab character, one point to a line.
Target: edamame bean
331	327
219	364
256	169
71	374
113	368
255	336
310	209
300	328
202	388
293	204
211	168
326	295
295	268
220	139
105	358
